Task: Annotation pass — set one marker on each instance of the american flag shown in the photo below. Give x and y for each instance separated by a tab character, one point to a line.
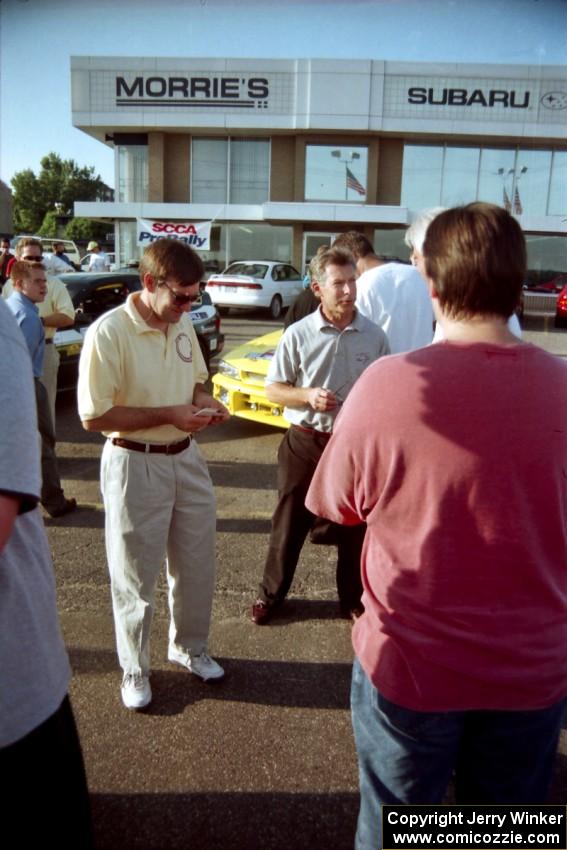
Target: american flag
353	183
518	209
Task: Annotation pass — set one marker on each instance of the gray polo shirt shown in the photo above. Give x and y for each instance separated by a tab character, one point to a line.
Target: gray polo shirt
314	353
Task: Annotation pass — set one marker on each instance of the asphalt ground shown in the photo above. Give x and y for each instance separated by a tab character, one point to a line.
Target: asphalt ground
263	759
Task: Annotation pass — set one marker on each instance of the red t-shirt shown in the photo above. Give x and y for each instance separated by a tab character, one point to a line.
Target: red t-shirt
456	457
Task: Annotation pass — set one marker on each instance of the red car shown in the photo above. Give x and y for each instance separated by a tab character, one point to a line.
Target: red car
561	309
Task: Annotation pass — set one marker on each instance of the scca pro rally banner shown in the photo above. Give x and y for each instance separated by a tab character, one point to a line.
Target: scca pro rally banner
195	234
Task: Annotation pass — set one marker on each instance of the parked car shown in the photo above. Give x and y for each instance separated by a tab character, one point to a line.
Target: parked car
240	381
94	294
540	294
250	284
561	309
206	321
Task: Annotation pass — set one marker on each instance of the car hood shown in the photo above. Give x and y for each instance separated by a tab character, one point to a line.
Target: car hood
255	356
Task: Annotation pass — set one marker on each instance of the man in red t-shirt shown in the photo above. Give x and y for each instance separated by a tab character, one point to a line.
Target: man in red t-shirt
455	455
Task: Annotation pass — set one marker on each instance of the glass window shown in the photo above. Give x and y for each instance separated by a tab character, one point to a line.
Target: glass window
335	173
557	192
531	182
259	242
546	253
249	171
460	175
389	243
496	178
132	173
421	176
215	259
209	171
519	179
129	251
246	161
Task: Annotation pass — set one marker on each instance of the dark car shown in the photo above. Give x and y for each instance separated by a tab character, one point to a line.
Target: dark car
94	294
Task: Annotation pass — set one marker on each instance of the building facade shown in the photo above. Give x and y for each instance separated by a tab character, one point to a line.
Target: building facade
281	155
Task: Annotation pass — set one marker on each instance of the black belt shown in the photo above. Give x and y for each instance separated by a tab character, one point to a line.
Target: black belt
313	432
153	448
49	341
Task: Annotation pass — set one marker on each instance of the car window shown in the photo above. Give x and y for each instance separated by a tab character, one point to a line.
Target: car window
249	269
291	273
104	297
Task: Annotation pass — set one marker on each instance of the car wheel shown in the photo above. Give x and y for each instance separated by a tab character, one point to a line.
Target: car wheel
223	310
560	322
275	307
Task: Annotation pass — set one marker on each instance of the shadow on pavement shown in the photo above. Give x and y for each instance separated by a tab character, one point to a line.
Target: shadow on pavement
292	684
225	821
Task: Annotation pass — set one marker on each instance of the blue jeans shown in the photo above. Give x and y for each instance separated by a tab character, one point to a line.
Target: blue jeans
407	756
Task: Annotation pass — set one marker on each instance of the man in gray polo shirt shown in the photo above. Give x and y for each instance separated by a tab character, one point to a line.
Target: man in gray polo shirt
315	366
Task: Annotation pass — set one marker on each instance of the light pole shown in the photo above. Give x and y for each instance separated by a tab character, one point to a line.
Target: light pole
349	159
512	201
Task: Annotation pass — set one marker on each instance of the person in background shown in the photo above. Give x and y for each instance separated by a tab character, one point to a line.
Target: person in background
5	257
315	366
44	790
414	239
29	290
56	312
306	302
99	261
455	456
391	294
59	252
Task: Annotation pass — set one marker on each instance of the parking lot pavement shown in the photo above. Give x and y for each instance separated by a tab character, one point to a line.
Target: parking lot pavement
264	759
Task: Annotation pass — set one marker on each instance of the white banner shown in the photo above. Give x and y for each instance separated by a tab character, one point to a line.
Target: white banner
195	234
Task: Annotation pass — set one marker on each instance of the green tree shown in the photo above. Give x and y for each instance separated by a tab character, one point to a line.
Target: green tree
58	185
83	229
48	225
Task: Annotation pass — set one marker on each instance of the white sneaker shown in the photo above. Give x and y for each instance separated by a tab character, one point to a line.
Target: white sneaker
201	665
136	691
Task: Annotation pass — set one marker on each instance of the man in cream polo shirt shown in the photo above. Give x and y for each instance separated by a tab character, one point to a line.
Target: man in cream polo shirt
141	382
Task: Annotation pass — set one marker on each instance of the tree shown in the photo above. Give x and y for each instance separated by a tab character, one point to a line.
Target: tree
58	185
83	229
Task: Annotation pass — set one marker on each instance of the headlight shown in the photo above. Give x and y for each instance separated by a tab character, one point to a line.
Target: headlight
225	368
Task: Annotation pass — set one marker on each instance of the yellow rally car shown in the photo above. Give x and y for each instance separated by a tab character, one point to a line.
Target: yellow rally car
239	383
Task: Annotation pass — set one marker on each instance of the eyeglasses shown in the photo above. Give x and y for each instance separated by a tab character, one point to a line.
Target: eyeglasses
33	259
180	300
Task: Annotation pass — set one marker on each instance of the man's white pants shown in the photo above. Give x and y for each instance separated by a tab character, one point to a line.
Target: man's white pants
49	376
158	505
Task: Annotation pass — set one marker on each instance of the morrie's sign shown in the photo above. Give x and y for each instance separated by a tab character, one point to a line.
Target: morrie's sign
195	234
202	91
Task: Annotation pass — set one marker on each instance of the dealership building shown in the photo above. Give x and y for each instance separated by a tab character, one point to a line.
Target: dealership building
281	155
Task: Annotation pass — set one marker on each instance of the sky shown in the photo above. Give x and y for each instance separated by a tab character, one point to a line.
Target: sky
37	37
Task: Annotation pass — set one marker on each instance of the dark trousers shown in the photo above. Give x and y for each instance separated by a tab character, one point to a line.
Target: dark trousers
43	777
298	456
52	496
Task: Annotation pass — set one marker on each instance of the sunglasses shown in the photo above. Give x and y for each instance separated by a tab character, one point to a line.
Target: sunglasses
34	259
180	300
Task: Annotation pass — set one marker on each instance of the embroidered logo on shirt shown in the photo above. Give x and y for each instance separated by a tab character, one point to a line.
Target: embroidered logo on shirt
184	348
362	358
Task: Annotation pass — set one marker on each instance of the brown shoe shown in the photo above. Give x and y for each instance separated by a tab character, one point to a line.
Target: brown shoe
261	612
68	506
